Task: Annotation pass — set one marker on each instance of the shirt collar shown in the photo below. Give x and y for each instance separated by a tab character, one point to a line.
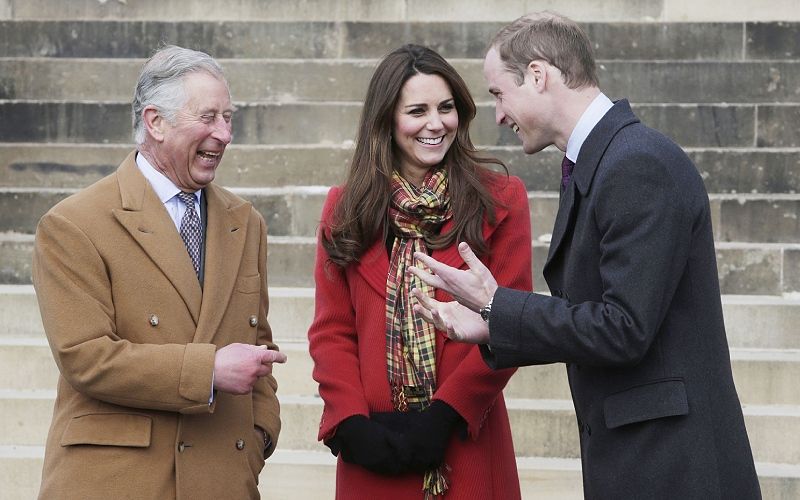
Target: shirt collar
593	114
162	185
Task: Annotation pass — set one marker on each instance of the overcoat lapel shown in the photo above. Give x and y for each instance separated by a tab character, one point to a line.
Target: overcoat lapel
226	233
566	208
592	151
147	221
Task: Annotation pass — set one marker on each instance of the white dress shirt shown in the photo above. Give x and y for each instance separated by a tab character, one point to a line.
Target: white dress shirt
593	114
167	192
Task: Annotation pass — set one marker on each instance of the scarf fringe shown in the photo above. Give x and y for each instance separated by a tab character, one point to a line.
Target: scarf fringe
436	483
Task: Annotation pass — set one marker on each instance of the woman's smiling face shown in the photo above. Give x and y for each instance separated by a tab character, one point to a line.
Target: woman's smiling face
425	123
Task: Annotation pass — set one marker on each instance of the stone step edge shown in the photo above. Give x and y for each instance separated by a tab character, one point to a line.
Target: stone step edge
335	59
294	345
791	411
479	101
10	236
318	190
308	292
303	457
321	458
348	146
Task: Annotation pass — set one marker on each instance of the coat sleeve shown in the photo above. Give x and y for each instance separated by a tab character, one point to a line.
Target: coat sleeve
332	338
74	293
644	216
473	387
266	408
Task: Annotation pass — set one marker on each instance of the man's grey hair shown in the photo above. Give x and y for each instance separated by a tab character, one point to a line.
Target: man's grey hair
161	83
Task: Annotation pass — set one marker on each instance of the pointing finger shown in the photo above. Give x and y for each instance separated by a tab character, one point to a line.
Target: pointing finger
270	356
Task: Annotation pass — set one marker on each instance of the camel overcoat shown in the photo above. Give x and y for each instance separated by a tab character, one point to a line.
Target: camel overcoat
134	337
347	342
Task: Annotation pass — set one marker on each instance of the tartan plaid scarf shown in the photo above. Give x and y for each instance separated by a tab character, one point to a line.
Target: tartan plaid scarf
410	340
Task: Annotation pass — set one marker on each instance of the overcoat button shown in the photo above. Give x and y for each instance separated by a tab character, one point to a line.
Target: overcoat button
240	444
253	321
153	320
181	446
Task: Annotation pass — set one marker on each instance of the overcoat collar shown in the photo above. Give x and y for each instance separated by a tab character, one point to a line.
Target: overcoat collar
147	221
592	151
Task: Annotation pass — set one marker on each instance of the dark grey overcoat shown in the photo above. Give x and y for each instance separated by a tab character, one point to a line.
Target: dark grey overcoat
636	315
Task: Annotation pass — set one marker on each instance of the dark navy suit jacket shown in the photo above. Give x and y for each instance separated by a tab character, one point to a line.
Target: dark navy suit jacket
635	313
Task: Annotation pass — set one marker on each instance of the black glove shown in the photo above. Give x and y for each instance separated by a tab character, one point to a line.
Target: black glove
427	431
398	421
370	445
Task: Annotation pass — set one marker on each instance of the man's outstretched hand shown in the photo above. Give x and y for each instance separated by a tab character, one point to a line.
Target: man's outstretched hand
458	322
472	287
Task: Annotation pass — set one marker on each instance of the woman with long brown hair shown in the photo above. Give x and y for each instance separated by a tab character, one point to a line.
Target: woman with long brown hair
409	413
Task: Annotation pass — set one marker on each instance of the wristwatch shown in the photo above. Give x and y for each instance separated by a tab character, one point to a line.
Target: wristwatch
486	310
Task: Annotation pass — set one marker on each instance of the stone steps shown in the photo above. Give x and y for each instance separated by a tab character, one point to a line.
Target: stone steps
410	10
762	376
540	427
540	478
691	125
743	268
348	39
641	81
752	322
295	211
72	165
723	85
726	170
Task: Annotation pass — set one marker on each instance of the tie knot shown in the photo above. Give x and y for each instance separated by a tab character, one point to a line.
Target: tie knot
187	199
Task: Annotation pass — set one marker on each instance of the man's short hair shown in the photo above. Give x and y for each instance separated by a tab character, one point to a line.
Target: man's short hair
549	37
161	83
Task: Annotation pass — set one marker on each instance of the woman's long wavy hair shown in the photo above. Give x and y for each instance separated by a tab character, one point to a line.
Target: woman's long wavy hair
361	213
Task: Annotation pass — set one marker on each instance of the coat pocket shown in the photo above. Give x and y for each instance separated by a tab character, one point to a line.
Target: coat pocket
109	429
662	398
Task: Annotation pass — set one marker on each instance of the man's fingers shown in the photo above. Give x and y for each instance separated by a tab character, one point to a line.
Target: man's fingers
425	313
472	260
427	301
270	356
441	324
425	276
423	306
427	260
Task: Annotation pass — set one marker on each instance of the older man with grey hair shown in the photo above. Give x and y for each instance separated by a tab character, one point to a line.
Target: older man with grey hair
152	285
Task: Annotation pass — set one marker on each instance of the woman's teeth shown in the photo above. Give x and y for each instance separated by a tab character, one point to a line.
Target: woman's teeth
431	141
515	128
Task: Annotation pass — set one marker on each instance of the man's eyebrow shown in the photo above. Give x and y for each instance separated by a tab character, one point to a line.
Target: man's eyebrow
214	110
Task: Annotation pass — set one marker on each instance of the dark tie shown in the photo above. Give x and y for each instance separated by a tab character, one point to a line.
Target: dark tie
566	171
191	232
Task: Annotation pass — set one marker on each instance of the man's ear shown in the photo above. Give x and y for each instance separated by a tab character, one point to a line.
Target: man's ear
153	122
537	73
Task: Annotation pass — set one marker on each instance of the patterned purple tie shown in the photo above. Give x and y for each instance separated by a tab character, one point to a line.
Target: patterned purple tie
191	232
566	171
